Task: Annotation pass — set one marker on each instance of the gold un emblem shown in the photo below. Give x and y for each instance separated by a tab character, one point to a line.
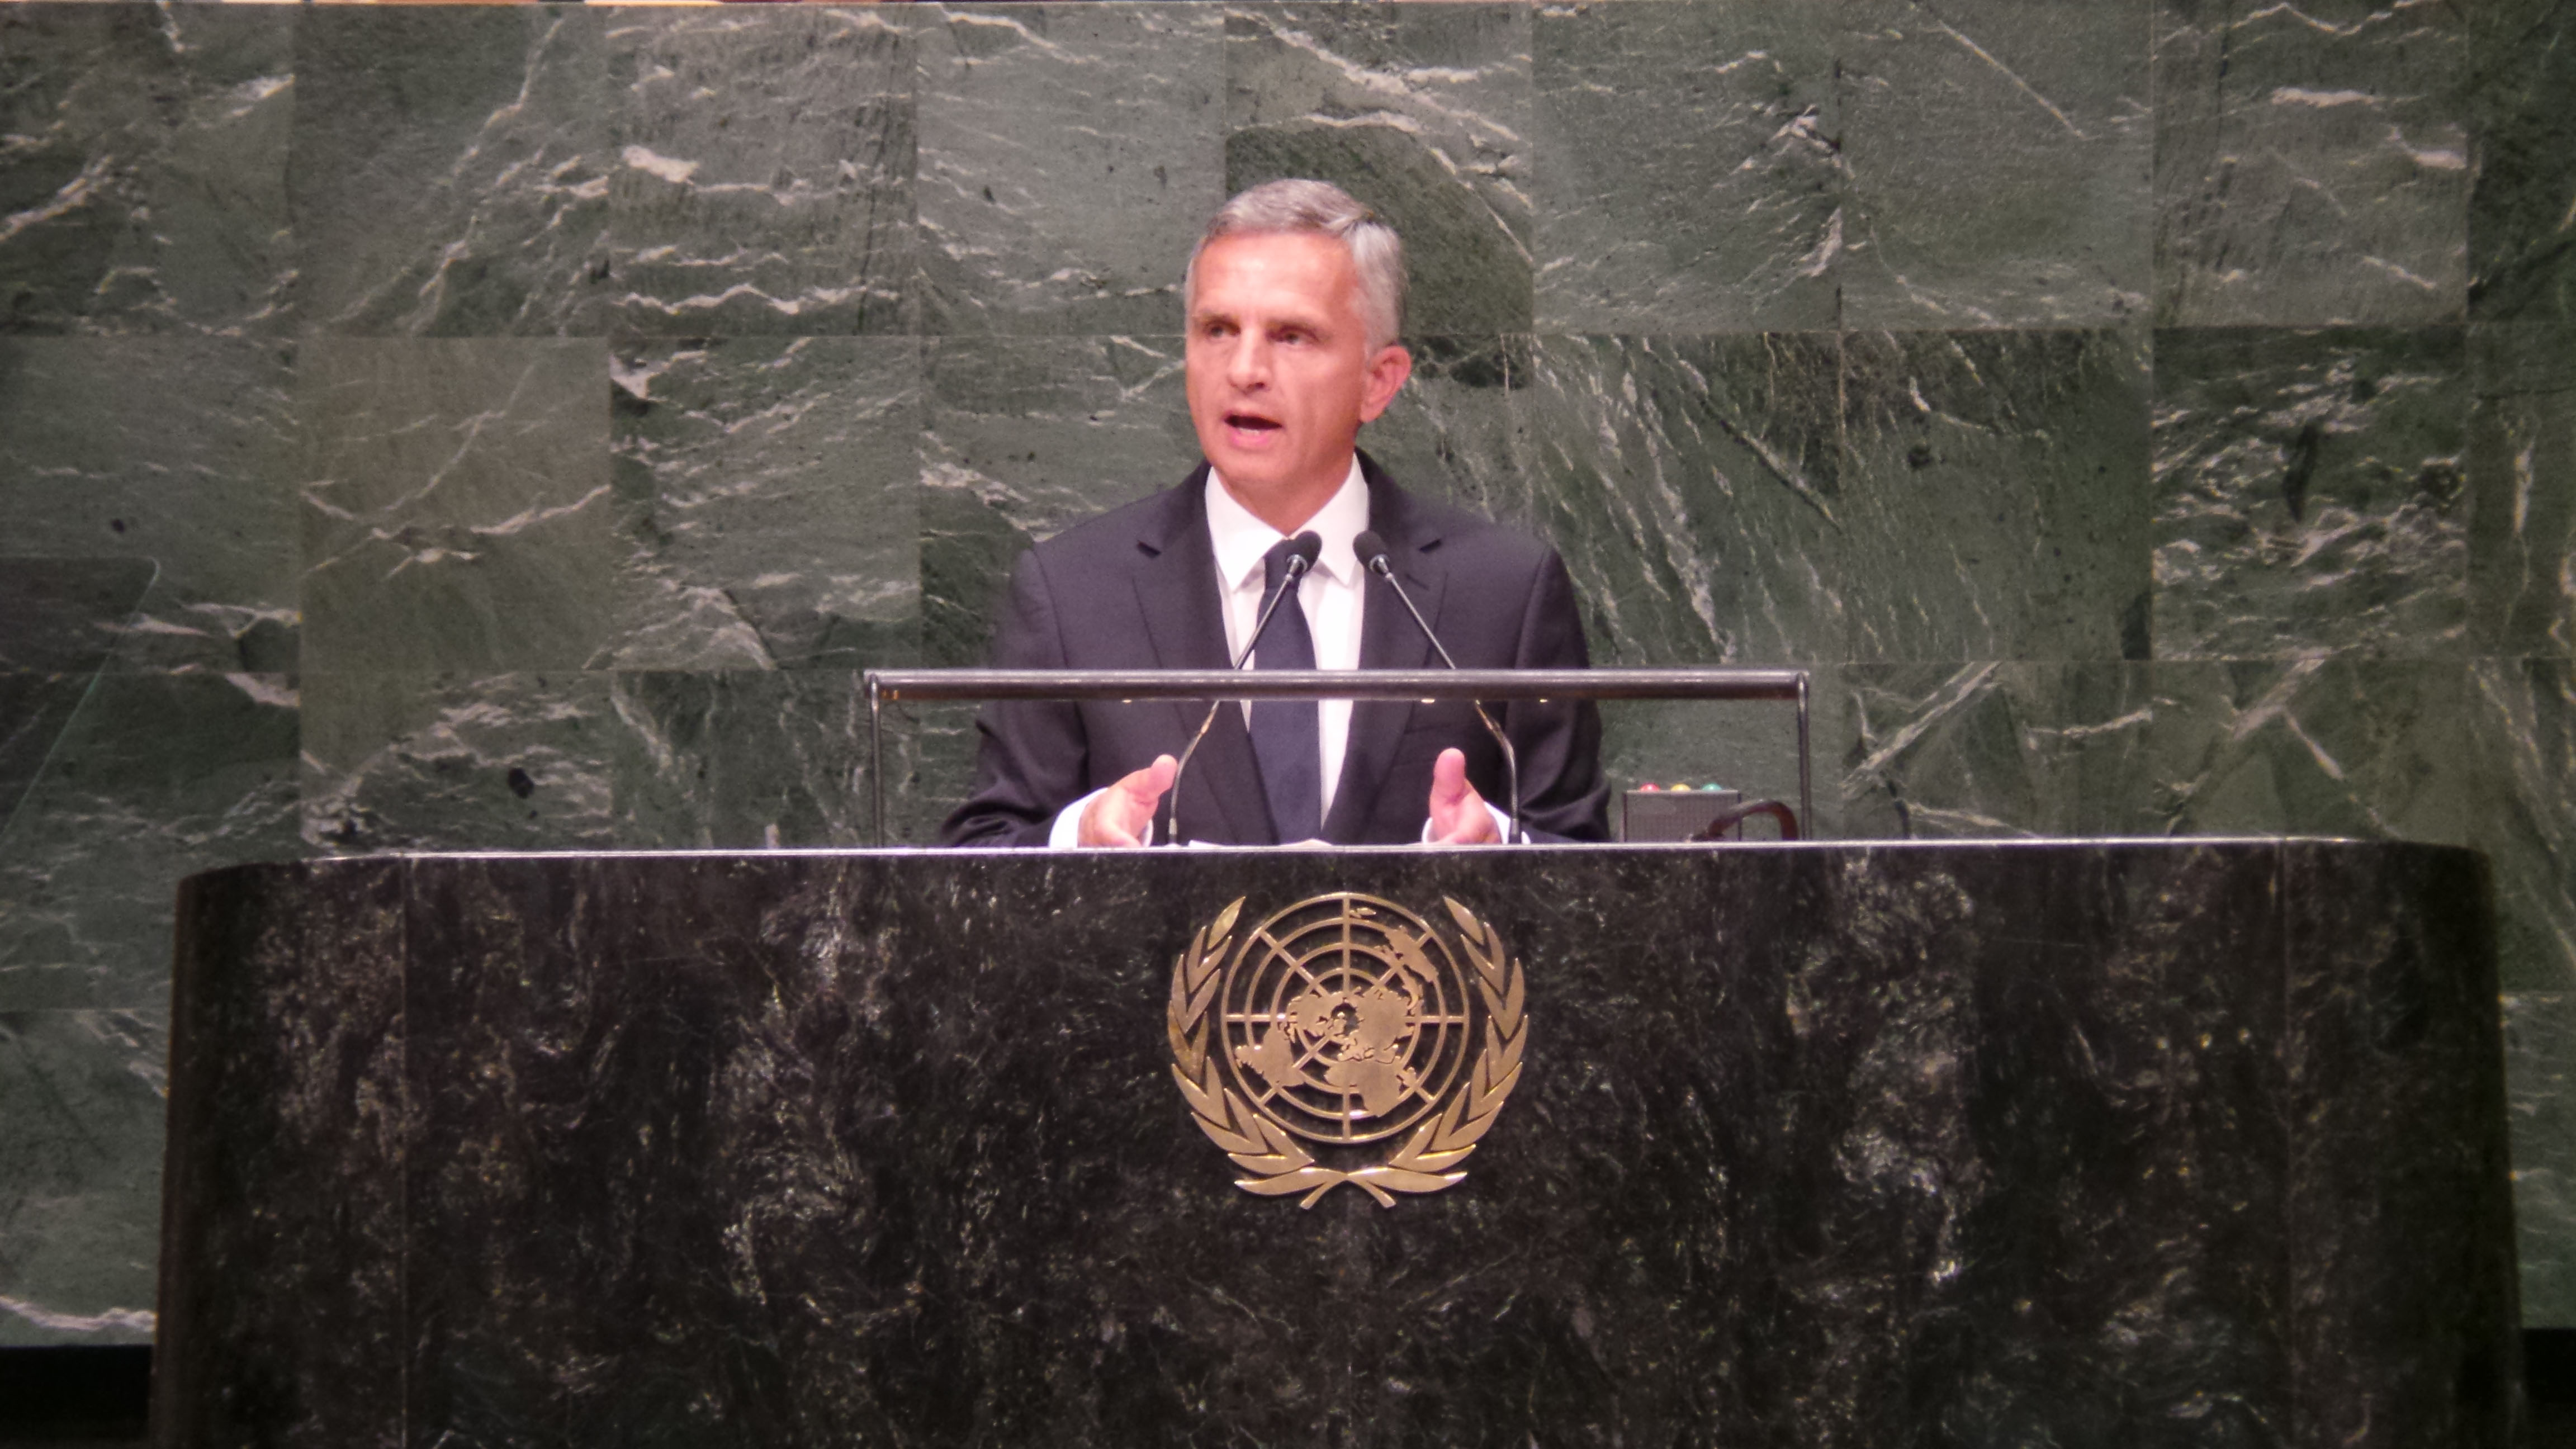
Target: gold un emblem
1340	1041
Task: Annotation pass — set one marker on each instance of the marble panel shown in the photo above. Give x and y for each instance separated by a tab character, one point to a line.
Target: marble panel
1995	491
1070	156
633	759
2420	1357
177	452
2522	731
2311	493
1999	163
286	1158
454	762
1027	437
770	490
2312	163
2522	486
2540	1084
80	1174
2374	749
2522	194
1422	113
449	171
156	776
736	760
458	509
144	187
65	616
34	710
1933	751
1695	487
59	620
763	173
1688	171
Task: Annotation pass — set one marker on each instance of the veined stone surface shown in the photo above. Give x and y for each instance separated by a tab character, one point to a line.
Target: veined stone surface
2522	199
1998	163
768	486
1997	485
176	452
598	760
457	509
2522	480
1027	436
2061	1144
1694	486
2312	164
1688	170
2311	493
761	176
80	1173
1423	113
2540	1080
448	172
143	179
2523	722
156	776
1070	155
2373	749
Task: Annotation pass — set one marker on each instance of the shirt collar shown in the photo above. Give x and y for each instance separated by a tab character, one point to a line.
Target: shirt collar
1242	539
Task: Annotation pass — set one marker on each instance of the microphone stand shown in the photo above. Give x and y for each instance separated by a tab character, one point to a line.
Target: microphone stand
1298	563
1518	834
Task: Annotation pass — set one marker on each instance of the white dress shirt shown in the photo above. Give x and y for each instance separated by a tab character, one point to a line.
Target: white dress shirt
1331	595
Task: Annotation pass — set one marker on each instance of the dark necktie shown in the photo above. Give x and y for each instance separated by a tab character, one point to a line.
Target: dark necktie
1287	735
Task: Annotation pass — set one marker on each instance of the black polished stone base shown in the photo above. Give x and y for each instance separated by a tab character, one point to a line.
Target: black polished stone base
2078	1144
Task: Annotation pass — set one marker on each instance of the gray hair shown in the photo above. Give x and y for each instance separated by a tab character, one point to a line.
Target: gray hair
1322	209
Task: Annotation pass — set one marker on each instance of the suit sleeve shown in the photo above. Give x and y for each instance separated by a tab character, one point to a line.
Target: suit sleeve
1030	756
1563	793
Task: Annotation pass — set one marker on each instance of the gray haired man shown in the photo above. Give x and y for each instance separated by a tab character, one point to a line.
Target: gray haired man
1295	302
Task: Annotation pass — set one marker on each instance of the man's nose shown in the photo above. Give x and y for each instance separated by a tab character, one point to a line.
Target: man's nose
1248	366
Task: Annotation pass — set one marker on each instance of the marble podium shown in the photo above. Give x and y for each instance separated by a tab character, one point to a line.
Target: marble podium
2031	1143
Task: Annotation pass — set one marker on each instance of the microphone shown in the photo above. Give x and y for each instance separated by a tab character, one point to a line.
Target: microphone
1372	552
1303	550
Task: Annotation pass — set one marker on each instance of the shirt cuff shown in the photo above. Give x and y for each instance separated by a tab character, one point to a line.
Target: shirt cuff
1066	832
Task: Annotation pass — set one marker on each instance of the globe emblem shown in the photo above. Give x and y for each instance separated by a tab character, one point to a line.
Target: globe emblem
1345	1018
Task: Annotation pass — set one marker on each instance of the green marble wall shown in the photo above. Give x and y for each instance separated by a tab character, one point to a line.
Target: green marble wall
517	427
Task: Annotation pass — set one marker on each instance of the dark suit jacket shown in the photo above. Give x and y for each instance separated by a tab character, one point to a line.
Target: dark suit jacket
1137	589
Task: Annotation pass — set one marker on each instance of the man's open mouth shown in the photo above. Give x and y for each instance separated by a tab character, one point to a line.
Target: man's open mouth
1250	423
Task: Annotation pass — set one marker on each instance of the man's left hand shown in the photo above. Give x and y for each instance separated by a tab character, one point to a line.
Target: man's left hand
1458	813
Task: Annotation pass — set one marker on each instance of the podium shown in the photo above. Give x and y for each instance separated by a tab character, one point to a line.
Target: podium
2084	1143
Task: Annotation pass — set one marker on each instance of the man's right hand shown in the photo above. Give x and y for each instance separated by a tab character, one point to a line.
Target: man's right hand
1121	814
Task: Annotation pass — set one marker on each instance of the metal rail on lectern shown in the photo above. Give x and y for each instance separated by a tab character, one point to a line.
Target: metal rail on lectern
1787	686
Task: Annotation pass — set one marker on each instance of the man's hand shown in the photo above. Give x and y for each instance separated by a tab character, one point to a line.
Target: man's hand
1125	811
1458	813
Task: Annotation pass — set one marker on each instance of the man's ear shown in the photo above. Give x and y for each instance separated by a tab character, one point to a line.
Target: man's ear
1386	376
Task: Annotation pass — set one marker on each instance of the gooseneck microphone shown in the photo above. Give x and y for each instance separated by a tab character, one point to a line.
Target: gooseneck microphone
1372	552
1303	550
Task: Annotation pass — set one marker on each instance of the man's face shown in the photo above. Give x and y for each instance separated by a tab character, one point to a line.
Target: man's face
1280	371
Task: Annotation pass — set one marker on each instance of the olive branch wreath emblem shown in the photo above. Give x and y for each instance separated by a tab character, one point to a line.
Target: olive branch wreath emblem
1278	1164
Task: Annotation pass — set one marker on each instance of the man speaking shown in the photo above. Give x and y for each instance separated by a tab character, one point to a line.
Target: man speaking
1295	298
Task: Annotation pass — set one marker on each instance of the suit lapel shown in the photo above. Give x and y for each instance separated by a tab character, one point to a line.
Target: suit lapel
1389	639
1185	621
